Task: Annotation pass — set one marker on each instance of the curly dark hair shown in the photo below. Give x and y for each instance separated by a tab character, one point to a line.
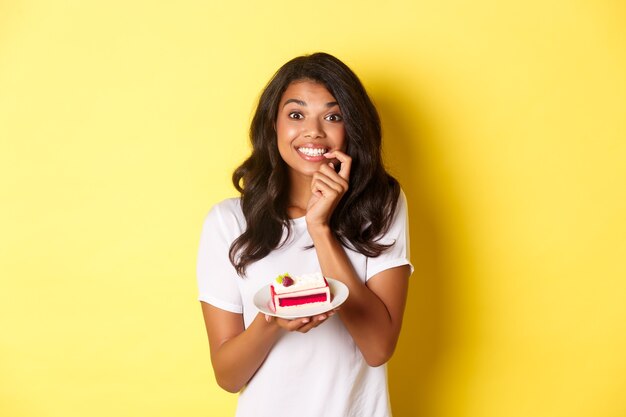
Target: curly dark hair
366	210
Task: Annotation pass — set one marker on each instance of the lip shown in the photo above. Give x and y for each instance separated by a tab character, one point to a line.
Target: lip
312	158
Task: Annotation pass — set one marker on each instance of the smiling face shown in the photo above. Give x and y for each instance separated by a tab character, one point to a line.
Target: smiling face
309	124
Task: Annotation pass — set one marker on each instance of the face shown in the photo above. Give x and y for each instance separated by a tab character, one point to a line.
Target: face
309	124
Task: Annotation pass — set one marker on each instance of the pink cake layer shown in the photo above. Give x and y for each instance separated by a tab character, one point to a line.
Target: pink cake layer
304	299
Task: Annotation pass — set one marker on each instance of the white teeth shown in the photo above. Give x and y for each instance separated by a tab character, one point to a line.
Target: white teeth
313	151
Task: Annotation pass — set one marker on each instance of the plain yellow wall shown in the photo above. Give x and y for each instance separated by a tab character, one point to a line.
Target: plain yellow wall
121	122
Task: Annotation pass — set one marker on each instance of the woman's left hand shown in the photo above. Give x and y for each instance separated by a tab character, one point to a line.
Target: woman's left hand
302	325
327	188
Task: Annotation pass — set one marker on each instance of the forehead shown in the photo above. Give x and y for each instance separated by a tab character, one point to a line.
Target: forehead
307	91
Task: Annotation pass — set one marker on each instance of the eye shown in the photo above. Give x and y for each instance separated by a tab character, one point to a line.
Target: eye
334	118
295	115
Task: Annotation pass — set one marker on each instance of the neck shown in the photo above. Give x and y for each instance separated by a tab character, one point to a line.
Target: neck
299	195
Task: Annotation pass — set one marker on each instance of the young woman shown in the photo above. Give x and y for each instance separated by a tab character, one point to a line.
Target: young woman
314	197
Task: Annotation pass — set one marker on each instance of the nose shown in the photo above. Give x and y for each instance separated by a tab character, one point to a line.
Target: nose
313	129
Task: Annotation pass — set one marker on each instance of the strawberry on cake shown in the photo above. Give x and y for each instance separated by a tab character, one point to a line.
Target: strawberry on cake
288	292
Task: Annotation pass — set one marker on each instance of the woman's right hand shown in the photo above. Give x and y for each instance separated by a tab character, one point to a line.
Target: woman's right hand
303	324
327	189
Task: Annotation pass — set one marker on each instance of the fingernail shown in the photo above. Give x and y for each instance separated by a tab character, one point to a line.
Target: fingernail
332	165
267	318
305	320
322	318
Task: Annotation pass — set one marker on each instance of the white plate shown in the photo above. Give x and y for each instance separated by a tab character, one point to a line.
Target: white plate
338	294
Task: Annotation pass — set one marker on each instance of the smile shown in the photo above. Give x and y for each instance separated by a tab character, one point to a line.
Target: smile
313	152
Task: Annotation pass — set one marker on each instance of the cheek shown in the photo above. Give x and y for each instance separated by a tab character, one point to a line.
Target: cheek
285	130
340	137
284	137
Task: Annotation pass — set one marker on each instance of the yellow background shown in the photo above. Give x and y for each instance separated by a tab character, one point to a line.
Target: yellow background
121	122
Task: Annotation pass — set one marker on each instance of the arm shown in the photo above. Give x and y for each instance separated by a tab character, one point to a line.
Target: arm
373	312
236	352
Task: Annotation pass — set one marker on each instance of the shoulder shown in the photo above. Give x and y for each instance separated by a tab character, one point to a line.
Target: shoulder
229	206
226	216
395	207
401	209
402	202
397	217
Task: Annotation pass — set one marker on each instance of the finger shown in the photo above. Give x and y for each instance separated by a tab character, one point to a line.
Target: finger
322	189
344	159
321	317
294	325
332	175
315	321
338	184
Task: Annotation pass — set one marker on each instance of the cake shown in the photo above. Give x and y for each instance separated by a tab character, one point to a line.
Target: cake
290	292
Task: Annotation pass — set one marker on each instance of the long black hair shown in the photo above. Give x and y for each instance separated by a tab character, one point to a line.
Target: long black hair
363	213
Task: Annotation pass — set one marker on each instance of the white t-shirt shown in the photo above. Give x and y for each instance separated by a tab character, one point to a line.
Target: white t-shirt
315	374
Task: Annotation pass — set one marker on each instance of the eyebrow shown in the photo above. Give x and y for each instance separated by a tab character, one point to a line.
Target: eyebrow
303	103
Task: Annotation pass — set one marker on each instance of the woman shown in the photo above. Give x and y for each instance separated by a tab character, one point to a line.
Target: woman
314	197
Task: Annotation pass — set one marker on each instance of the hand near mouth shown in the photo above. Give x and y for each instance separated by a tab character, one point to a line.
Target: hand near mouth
327	187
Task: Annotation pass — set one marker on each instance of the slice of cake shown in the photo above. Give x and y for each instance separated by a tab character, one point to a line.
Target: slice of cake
288	292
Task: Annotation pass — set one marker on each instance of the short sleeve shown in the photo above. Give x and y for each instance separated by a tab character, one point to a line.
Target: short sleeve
216	276
398	237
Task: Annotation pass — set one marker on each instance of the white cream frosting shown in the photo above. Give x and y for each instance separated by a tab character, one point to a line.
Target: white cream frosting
301	283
